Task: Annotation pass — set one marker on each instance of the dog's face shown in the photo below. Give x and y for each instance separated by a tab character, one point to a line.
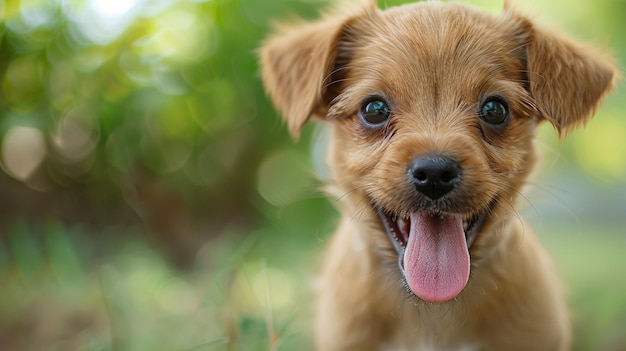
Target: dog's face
432	109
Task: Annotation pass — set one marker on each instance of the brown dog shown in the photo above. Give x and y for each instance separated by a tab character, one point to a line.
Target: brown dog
432	110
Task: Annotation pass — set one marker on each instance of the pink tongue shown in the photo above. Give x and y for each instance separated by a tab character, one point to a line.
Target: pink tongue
436	259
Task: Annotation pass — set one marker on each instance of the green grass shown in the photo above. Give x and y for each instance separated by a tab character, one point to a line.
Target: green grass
249	293
592	260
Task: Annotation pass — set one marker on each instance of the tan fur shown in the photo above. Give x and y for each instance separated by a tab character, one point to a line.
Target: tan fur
435	62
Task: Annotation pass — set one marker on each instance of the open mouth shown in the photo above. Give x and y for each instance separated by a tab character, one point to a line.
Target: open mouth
433	250
398	228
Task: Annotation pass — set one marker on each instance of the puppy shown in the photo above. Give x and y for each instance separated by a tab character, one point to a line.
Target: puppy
432	110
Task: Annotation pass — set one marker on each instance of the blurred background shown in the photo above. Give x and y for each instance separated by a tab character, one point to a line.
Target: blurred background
150	198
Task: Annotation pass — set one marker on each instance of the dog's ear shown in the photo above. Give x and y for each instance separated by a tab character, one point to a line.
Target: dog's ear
298	61
567	80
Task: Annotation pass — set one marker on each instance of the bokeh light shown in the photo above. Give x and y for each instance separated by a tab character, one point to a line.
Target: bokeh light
601	148
113	8
23	151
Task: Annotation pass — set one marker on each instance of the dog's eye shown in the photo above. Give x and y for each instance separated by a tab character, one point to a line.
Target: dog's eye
494	111
375	113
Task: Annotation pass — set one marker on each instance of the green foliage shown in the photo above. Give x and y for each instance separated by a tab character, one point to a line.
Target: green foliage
169	87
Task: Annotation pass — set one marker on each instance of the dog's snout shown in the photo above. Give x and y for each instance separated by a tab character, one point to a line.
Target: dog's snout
434	175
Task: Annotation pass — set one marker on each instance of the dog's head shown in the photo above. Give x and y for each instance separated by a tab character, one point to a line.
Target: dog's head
432	109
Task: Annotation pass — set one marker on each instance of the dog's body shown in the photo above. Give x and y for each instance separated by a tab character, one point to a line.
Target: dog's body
513	301
432	110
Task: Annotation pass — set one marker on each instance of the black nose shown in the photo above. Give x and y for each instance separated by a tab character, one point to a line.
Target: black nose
434	175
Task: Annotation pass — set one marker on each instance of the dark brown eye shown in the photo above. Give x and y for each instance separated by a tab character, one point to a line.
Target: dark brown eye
494	111
375	113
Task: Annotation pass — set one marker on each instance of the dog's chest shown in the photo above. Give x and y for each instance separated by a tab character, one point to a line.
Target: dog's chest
468	347
431	328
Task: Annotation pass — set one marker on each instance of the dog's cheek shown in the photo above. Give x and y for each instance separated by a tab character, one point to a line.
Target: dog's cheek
389	178
374	168
516	147
511	161
351	161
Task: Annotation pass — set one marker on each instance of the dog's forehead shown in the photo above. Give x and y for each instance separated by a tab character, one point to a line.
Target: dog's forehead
439	43
438	20
429	49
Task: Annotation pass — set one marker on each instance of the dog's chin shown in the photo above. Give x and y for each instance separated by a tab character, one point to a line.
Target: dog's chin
433	249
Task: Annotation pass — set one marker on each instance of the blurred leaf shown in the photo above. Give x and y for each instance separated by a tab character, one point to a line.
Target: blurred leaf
62	255
27	253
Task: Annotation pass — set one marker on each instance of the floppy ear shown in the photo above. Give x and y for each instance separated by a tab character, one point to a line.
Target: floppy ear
297	63
567	80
